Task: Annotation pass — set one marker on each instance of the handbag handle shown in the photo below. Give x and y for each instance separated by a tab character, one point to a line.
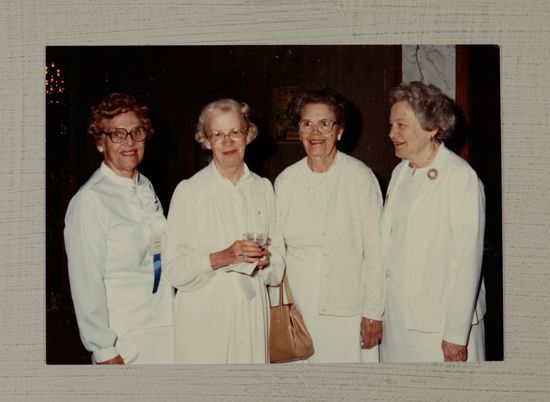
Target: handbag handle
285	288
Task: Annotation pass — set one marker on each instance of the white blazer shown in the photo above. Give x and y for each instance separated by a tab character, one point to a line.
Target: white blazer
444	249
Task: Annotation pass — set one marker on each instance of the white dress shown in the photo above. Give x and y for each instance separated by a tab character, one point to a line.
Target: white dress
108	228
401	343
221	317
307	227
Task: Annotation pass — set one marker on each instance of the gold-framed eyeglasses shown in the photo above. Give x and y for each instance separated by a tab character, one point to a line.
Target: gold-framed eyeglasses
235	134
324	126
120	134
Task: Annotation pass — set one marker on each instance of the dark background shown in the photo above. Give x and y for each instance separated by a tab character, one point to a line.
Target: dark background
175	82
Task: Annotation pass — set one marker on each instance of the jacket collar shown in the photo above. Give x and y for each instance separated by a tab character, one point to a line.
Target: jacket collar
439	163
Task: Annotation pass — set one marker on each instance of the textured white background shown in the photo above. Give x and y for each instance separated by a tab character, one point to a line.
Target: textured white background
521	28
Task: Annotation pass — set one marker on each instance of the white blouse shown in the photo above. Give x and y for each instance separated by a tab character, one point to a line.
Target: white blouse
351	269
108	229
207	214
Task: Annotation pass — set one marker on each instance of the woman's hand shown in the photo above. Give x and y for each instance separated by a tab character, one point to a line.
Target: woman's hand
115	360
239	251
264	259
453	352
371	333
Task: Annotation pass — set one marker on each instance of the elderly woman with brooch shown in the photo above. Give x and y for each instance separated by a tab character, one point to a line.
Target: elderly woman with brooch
113	236
432	232
221	301
329	209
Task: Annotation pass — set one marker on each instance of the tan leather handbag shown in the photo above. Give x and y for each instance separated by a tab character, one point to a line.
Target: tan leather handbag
289	339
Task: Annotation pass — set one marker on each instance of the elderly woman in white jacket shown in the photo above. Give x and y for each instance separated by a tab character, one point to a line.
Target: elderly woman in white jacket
432	233
113	231
329	209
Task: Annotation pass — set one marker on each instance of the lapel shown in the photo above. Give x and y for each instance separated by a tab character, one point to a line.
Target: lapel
385	224
421	221
426	208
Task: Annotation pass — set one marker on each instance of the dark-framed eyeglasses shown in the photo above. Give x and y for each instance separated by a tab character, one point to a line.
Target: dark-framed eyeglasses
120	134
324	126
235	134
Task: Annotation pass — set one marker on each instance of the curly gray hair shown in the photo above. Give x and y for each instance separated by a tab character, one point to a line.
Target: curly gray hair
431	107
224	104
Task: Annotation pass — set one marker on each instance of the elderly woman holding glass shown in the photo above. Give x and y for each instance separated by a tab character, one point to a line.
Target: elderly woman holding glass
432	231
221	277
113	231
329	210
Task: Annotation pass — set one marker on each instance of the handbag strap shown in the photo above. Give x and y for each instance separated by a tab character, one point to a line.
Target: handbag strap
285	288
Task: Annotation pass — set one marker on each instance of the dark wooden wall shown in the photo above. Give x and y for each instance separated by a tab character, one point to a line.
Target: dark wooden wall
176	82
478	97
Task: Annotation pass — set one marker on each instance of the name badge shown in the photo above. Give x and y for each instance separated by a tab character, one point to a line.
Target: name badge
155	244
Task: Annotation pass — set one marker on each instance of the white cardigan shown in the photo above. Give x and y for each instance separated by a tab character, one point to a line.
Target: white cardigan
351	271
444	250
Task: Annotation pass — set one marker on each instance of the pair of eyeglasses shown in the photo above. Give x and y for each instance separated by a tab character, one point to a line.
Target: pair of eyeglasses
120	134
324	126
235	134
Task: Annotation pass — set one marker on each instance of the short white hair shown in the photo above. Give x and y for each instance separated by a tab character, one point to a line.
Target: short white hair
224	104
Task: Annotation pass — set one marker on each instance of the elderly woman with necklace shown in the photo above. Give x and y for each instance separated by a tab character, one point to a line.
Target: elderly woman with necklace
432	233
329	209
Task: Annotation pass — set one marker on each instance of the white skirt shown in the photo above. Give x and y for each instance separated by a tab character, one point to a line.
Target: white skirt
335	339
400	344
218	323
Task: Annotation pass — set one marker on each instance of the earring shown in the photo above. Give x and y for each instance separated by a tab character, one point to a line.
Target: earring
100	149
339	137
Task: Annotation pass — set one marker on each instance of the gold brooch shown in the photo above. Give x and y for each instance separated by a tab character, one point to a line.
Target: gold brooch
432	174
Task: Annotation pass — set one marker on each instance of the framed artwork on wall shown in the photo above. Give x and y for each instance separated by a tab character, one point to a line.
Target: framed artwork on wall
284	129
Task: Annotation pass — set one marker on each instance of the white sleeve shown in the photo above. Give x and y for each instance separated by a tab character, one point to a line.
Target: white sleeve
187	266
372	274
273	274
85	236
467	215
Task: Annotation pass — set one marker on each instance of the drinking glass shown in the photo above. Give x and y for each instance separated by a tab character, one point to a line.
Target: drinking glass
259	238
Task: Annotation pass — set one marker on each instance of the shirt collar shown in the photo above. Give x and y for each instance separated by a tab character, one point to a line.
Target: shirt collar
107	171
218	176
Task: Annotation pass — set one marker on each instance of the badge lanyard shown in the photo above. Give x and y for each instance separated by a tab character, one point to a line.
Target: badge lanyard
155	246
